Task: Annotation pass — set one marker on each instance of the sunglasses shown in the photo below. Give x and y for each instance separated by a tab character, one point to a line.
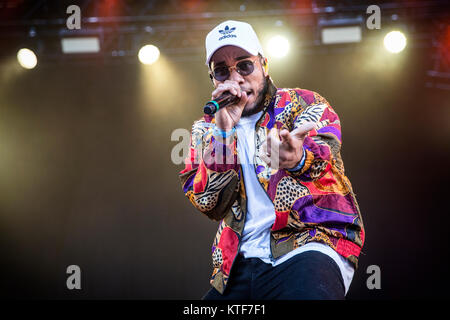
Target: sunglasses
243	67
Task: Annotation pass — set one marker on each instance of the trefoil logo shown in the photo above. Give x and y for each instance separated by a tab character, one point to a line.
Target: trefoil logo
226	33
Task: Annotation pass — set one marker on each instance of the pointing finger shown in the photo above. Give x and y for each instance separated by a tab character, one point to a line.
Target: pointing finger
303	130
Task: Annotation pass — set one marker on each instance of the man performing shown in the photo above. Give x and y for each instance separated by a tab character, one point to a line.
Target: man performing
268	167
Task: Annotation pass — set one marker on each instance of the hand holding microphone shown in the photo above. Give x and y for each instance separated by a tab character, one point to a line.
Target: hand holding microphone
223	101
231	101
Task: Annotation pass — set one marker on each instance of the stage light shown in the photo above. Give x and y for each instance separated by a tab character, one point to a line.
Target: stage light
27	59
395	41
278	46
148	54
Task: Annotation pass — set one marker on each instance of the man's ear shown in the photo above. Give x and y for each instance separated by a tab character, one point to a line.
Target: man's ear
265	64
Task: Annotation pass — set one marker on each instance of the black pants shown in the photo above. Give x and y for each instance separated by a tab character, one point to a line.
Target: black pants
310	275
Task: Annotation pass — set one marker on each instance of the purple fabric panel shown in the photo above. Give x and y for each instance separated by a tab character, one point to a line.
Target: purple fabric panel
337	202
309	213
189	183
331	129
271	117
272	187
277	111
319	151
259	169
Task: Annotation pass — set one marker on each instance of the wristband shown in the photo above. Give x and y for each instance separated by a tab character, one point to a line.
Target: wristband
222	133
300	164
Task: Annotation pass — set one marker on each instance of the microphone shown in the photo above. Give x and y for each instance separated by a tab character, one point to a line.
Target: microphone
223	101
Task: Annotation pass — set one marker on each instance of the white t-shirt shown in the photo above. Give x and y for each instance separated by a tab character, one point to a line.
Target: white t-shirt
261	211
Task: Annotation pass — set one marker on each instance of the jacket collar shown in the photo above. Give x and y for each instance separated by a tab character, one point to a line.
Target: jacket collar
269	99
270	95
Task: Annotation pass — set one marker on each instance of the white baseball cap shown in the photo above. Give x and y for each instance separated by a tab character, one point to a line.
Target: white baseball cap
234	33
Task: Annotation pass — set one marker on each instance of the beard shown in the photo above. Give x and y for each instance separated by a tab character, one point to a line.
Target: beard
258	105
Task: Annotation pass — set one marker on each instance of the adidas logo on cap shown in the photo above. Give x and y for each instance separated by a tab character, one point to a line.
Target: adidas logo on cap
232	33
226	32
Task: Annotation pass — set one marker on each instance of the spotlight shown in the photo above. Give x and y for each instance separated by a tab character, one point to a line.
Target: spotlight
278	46
27	59
148	54
395	41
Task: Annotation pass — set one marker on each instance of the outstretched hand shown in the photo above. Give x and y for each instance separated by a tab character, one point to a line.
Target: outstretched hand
284	149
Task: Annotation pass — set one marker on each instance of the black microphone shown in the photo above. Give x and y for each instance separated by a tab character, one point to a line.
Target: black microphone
224	100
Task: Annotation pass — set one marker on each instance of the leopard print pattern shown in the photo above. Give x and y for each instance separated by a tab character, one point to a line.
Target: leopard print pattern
217	258
317	168
287	192
285	116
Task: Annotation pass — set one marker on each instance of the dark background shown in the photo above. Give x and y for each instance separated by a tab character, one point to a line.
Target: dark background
86	176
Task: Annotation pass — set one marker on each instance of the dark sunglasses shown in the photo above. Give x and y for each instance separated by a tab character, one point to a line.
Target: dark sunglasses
243	67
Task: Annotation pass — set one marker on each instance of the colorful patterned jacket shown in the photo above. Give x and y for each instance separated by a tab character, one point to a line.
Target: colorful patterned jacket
316	203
